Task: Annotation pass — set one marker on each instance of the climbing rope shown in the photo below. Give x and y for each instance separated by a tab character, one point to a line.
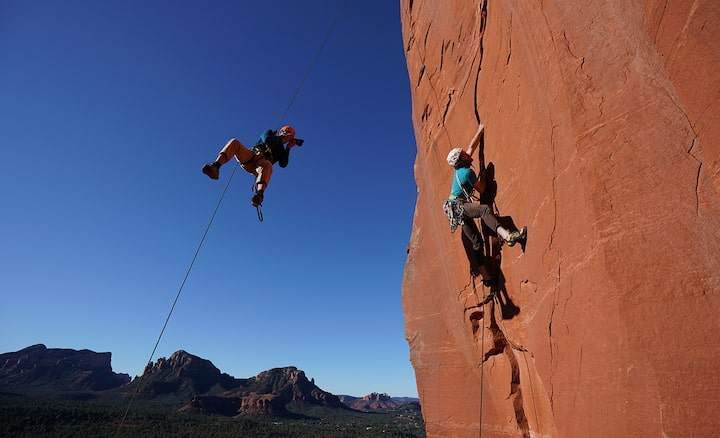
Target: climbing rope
312	63
302	81
212	218
177	297
485	300
481	26
482	364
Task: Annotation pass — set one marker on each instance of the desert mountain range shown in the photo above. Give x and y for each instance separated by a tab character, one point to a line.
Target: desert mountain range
182	376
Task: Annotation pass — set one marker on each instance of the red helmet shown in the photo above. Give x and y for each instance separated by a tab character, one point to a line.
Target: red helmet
287	130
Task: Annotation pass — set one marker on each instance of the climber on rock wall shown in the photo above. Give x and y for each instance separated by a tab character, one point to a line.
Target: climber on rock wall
272	147
465	182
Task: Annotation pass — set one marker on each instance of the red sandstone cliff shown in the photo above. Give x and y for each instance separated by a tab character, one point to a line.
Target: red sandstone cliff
603	126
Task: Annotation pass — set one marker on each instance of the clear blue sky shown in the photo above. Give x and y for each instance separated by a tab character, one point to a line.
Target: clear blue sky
108	112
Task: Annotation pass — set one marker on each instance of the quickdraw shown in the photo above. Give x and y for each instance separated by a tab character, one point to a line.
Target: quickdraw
454	211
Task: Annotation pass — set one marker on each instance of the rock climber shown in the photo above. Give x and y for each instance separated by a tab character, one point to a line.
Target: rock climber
272	147
465	182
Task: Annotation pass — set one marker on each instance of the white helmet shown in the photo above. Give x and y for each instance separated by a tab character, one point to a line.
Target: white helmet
453	156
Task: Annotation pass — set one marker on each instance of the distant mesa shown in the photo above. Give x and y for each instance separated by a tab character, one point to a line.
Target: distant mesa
371	402
59	369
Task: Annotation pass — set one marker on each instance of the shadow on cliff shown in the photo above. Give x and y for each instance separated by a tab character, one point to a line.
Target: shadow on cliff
492	246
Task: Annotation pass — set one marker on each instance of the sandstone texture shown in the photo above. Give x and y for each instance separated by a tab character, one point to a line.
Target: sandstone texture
603	137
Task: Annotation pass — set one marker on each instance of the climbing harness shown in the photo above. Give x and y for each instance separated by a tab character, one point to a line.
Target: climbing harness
210	222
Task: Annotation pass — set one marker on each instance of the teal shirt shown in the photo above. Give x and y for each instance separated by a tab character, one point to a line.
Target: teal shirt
467	178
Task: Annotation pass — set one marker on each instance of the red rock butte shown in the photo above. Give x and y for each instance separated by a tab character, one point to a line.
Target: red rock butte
603	135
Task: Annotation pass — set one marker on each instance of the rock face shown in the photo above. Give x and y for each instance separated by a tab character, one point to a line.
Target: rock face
603	137
59	369
371	402
270	393
183	374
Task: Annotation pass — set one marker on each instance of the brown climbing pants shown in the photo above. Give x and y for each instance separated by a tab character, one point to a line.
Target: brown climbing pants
470	230
251	160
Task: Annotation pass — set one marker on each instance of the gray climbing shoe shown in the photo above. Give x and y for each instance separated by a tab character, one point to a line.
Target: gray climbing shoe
516	236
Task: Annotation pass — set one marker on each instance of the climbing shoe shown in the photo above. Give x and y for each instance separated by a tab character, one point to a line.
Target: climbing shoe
515	236
212	170
257	198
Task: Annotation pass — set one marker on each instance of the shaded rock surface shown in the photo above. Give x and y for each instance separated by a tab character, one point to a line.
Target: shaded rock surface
603	136
60	369
182	374
270	393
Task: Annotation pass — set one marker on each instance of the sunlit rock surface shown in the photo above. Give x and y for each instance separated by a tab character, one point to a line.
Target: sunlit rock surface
603	137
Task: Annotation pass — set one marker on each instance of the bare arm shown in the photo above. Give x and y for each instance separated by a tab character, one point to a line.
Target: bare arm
479	185
475	142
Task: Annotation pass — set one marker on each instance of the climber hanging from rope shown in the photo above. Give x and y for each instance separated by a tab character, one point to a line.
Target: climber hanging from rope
272	147
461	210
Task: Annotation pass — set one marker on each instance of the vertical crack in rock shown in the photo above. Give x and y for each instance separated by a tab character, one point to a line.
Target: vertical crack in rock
552	344
500	344
482	24
426	113
697	191
696	152
659	22
442	54
448	104
517	396
507	60
554	188
477	84
427	34
579	62
481	33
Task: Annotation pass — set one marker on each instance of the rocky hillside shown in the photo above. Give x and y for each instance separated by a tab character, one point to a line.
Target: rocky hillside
603	137
180	378
182	375
59	369
270	393
371	402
